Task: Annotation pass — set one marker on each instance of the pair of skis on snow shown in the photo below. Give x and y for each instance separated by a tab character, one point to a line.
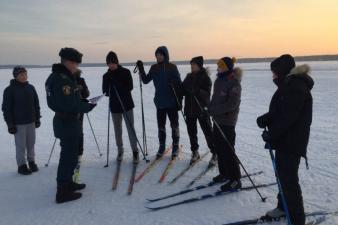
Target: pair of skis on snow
321	217
203	197
117	175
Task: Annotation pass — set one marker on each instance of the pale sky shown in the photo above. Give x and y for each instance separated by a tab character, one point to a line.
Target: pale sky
33	31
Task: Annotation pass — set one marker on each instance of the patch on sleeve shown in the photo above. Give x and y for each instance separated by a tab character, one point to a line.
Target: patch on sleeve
67	90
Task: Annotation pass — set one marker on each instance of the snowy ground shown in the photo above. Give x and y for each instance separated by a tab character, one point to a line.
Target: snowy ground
30	200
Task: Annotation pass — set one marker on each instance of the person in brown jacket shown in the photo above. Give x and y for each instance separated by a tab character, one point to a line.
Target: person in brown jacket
224	108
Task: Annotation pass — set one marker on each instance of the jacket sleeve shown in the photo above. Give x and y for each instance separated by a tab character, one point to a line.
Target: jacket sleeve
7	107
105	84
36	105
68	103
292	105
85	91
146	78
205	88
232	101
129	81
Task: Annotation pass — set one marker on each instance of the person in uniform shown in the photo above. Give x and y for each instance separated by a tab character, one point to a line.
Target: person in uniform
63	97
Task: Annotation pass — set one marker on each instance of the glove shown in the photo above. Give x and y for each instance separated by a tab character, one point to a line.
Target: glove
266	136
262	121
80	87
140	66
92	106
12	130
37	124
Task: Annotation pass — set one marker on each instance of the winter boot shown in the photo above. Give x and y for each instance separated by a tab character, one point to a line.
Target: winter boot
33	167
24	170
76	187
174	152
64	194
213	160
160	151
136	158
119	156
219	179
194	157
231	185
275	214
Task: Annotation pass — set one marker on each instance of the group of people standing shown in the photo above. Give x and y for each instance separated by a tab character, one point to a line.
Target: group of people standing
287	124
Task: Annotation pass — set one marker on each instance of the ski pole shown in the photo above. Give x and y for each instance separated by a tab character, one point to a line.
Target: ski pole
91	127
130	124
273	159
108	132
232	148
51	152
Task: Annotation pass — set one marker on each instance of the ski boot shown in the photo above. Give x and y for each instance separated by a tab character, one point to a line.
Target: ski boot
174	152
33	167
219	179
160	152
76	186
64	194
119	156
24	170
231	185
274	215
213	160
194	157
136	158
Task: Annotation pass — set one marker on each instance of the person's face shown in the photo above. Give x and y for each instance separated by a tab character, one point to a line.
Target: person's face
112	66
220	70
159	58
195	68
274	76
22	77
73	67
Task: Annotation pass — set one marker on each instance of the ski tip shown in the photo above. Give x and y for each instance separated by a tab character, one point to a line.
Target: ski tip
151	208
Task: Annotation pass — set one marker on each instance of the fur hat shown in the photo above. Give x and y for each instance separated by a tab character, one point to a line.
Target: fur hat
198	61
283	65
17	70
227	63
71	54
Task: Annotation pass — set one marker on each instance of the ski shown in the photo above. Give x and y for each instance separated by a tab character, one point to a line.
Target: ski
187	168
196	188
151	165
199	176
265	219
207	196
132	179
117	174
168	167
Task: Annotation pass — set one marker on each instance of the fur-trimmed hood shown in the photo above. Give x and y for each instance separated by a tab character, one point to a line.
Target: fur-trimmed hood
238	73
301	72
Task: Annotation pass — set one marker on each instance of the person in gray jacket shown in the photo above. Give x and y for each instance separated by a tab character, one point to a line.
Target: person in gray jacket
21	112
224	108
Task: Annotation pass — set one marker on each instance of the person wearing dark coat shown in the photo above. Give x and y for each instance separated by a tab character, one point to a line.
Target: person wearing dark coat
21	110
118	83
197	84
167	81
63	97
288	122
224	108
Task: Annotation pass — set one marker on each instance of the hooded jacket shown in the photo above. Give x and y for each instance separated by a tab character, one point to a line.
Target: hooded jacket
290	114
164	75
226	98
20	104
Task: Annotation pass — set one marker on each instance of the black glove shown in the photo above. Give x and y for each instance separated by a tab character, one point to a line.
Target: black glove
92	106
262	121
37	124
140	66
12	130
266	136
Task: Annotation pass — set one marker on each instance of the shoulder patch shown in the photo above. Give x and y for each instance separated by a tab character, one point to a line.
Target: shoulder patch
67	90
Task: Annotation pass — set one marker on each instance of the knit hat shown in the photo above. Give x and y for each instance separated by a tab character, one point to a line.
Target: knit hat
198	61
17	70
112	58
71	54
227	63
283	65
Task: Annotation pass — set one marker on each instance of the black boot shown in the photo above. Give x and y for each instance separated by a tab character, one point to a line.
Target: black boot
76	187
175	151
219	179
64	194
33	167
231	185
160	151
24	170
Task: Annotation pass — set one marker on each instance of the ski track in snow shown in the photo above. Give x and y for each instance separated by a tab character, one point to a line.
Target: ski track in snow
30	200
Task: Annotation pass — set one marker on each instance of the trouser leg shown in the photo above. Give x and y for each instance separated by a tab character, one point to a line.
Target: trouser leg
192	132
117	120
131	130
30	142
20	144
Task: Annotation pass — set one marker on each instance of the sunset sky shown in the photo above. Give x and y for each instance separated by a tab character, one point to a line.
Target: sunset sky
33	31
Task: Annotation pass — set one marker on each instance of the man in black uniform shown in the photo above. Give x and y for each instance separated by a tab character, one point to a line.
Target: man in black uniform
64	99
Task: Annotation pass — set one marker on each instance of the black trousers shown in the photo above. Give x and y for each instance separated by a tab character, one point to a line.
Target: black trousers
206	127
161	122
68	159
287	169
228	165
81	138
